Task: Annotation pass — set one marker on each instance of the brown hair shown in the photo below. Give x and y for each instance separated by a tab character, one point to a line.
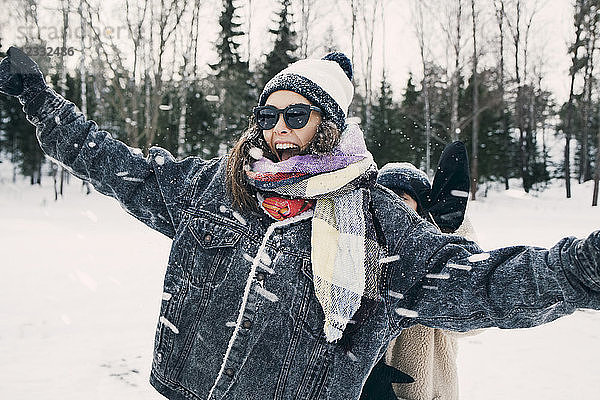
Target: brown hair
325	139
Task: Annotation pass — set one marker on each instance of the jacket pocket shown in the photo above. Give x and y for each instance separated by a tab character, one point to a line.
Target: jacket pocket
308	310
214	248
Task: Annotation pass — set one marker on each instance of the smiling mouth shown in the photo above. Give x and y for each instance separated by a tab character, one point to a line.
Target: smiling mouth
286	150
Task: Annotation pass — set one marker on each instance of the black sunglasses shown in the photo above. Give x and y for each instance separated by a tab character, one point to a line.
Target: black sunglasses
295	116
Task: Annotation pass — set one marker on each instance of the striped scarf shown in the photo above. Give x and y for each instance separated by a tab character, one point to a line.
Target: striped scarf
344	249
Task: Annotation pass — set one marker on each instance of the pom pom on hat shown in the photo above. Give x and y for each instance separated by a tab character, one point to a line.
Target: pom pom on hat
343	61
326	83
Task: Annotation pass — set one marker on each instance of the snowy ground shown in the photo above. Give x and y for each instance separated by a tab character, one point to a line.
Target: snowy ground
81	284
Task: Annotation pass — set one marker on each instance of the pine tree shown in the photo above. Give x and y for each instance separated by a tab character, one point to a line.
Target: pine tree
412	125
233	84
285	47
227	45
496	160
384	138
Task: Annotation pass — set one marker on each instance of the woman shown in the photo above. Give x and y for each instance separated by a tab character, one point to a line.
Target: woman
290	270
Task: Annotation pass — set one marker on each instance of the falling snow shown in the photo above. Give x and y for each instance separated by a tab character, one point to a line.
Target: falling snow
438	276
389	259
272	297
459	266
479	257
132	179
168	324
459	193
406	313
160	160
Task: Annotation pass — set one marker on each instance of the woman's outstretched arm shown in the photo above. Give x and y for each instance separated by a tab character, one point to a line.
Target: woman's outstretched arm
461	287
147	187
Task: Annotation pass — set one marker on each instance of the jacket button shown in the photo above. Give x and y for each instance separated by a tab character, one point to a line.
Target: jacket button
229	372
247	324
279	231
207	238
260	277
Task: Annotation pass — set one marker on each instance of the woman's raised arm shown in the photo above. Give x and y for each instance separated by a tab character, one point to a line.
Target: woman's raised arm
147	187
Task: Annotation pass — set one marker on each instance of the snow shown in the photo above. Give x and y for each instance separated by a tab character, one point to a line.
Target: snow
438	276
168	324
132	179
395	294
160	160
478	257
166	296
459	266
389	259
406	313
459	193
272	297
81	296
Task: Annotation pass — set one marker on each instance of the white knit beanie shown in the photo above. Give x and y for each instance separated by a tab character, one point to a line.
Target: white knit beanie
327	83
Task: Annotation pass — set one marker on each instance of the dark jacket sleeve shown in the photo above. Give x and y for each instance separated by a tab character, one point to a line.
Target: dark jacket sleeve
147	187
445	281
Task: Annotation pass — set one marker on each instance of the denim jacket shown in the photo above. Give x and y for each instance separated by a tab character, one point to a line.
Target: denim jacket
239	317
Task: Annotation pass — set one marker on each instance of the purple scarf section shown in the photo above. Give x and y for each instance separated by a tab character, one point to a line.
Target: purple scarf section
351	149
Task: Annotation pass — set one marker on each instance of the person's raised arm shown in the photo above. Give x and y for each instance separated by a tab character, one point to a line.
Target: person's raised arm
146	187
445	281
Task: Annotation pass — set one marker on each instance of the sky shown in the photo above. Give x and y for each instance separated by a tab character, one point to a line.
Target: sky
400	55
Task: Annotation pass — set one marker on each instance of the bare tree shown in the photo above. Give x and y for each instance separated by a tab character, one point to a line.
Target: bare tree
499	11
58	171
307	19
451	26
367	12
83	74
191	46
417	11
168	20
597	167
590	26
575	67
475	122
114	62
136	34
520	43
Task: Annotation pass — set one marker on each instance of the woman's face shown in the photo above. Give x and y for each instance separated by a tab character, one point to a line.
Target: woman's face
283	141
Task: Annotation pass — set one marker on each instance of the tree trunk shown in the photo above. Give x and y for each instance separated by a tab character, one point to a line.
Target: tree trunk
597	166
454	129
63	83
568	128
83	76
475	137
586	172
506	147
519	104
420	28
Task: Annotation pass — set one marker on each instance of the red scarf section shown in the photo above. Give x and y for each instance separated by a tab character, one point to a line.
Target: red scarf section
281	209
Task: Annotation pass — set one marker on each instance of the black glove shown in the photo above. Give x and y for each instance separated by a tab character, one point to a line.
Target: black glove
450	190
20	76
379	383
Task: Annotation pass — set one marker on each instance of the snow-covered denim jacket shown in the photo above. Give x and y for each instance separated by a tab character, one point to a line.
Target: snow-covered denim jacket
239	317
